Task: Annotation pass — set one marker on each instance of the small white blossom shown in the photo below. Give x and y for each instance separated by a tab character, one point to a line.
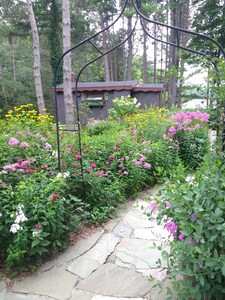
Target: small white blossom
15	227
35	233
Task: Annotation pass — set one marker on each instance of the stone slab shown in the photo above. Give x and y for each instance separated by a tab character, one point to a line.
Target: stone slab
2	288
111	280
139	253
122	230
55	283
74	251
13	296
136	219
84	265
155	233
81	295
98	297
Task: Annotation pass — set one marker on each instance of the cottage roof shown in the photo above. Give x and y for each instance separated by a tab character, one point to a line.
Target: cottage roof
114	85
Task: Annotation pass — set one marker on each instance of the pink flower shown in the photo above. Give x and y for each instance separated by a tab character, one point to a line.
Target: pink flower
107	163
100	173
43	139
112	156
48	146
38	226
24	145
89	170
125	172
87	150
149	150
154	206
99	152
121	165
168	204
147	166
78	156
143	158
181	237
171	226
137	162
164	136
122	159
93	165
13	141
74	165
172	130
54	197
122	134
120	172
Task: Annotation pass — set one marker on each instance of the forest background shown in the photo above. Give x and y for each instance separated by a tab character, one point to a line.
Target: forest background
140	58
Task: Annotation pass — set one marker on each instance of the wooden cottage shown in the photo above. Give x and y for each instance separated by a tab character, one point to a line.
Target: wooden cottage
99	95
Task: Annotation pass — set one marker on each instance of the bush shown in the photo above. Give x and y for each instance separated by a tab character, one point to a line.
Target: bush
124	106
193	210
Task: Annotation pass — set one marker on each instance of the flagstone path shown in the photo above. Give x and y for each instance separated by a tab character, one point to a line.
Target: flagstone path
113	263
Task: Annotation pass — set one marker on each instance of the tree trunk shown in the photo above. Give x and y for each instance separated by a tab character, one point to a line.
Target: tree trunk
130	50
145	60
67	69
104	49
37	59
155	55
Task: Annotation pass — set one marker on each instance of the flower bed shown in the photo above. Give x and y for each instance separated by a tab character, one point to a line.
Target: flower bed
40	206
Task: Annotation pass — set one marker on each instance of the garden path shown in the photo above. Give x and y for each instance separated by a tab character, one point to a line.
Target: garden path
112	263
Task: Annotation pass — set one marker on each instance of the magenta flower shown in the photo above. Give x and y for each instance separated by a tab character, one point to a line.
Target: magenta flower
93	165
172	130
120	172
125	172
54	197
13	141
38	226
181	237
74	165
168	204
100	173
164	136
112	156
171	226
107	163
87	150
89	170
147	166
78	156
121	165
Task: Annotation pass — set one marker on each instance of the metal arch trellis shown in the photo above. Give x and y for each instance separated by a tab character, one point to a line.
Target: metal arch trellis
139	15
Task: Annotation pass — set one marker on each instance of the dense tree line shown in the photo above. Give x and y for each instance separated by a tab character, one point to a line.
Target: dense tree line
141	58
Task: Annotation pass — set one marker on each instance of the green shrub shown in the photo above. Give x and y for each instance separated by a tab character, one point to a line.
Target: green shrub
123	106
193	210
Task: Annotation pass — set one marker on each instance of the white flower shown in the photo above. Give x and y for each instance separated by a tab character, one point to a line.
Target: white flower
55	153
35	232
15	227
59	175
66	174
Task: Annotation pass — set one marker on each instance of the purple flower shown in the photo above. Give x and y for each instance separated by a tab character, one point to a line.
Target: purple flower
190	243
171	226
13	141
168	204
181	237
48	146
154	206
172	130
200	265
147	166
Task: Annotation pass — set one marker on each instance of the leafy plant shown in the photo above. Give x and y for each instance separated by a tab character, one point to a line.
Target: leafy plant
193	211
123	106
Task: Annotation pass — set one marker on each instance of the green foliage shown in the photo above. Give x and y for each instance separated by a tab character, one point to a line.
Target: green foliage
196	212
40	207
123	106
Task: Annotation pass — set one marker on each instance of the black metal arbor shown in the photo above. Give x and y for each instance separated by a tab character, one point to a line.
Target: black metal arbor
137	4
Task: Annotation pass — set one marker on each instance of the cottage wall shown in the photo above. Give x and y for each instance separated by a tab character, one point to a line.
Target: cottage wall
147	99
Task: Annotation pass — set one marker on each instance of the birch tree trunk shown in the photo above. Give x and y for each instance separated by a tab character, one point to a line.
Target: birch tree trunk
130	50
37	59
67	68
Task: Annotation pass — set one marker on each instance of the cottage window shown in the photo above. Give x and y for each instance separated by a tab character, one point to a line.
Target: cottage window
93	99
